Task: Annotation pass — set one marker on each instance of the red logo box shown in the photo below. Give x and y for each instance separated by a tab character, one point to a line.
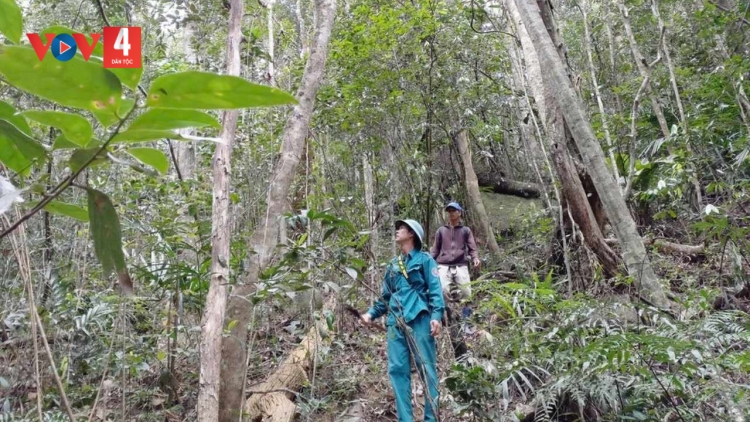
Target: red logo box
122	46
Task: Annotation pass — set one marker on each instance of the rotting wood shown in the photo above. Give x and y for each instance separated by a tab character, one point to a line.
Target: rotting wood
271	400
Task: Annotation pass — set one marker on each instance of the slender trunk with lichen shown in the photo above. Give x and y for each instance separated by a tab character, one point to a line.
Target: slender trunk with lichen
213	316
264	238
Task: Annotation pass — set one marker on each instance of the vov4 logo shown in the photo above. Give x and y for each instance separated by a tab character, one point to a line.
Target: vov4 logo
121	46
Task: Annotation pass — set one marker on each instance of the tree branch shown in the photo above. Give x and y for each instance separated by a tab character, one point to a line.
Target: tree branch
49	196
101	11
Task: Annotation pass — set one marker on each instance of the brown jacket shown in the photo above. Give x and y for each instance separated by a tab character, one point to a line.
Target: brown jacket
451	244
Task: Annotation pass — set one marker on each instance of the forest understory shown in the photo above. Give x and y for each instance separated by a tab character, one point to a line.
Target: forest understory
195	239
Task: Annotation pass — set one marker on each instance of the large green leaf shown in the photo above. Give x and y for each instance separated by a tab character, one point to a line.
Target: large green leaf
167	119
143	135
203	90
128	76
8	112
11	22
68	210
151	157
61	142
75	83
75	128
82	156
105	230
17	149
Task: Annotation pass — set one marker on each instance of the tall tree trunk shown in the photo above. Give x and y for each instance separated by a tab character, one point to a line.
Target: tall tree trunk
213	316
635	256
582	206
264	238
484	230
602	114
529	125
643	69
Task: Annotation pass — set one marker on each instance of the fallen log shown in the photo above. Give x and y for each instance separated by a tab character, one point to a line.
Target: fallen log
670	247
500	184
271	400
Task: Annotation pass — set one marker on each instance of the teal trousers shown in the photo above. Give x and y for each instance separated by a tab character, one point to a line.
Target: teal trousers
419	346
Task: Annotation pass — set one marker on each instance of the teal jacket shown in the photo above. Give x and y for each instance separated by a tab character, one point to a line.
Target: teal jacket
408	297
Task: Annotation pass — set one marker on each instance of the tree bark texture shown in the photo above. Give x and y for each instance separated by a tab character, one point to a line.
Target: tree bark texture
263	240
472	189
582	213
213	316
634	252
584	203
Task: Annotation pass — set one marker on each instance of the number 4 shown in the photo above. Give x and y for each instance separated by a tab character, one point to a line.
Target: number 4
121	43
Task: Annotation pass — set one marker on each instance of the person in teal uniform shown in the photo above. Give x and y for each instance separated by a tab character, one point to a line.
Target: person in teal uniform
413	299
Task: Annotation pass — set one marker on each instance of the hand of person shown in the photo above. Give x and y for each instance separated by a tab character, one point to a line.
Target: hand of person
435	328
366	318
476	262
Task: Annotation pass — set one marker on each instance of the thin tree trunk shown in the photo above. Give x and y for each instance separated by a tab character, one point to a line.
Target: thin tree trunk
635	256
643	69
372	221
185	150
664	46
263	240
213	316
472	189
602	114
271	56
304	47
612	63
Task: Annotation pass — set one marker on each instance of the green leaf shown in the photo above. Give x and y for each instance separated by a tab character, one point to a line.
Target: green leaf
75	83
17	149
11	21
75	128
125	107
128	76
8	112
167	119
145	135
151	157
61	142
68	210
82	156
203	90
105	230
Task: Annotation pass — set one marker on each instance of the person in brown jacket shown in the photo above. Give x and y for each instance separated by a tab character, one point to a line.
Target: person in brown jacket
452	242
